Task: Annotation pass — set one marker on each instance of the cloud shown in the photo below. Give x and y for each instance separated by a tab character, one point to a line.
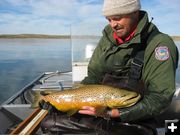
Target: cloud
56	16
47	16
165	14
61	8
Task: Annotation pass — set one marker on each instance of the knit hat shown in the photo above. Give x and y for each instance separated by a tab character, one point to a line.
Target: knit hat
118	7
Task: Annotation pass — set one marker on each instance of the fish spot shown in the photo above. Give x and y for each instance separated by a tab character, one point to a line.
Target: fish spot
88	100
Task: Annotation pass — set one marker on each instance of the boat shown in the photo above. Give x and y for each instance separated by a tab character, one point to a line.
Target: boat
18	107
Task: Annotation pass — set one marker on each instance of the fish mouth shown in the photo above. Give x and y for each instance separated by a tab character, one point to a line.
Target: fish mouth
136	96
132	100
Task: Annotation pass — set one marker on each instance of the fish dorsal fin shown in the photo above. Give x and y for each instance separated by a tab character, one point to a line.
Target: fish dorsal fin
71	112
77	85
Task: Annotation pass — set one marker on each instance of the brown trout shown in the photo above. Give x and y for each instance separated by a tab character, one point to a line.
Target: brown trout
98	96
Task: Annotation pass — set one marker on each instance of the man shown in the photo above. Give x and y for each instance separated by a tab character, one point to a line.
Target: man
132	54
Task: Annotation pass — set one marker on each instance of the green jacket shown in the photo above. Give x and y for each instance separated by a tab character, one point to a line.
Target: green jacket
158	72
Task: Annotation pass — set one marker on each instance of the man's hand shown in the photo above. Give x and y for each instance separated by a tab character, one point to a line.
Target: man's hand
88	110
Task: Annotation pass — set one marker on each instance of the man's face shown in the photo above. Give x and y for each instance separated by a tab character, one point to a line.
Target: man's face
123	25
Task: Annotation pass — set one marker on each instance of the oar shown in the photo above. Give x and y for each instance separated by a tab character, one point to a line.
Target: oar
31	124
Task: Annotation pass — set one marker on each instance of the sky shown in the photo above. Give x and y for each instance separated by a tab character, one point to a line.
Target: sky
64	17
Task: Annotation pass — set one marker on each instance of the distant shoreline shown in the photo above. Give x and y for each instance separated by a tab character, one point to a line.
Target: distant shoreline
177	38
23	36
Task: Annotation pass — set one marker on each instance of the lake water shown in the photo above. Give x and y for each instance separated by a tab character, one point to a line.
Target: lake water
22	60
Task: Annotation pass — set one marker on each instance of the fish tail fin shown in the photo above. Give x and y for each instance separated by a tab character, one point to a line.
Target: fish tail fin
38	96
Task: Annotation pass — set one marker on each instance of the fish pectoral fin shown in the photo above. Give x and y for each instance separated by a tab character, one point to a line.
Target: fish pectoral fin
100	110
71	112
